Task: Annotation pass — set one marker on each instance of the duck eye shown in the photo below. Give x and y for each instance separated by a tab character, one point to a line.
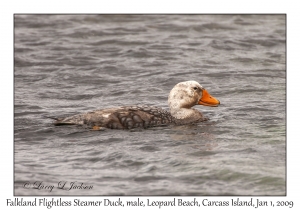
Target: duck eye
195	88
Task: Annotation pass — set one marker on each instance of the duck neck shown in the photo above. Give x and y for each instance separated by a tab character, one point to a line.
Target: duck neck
185	115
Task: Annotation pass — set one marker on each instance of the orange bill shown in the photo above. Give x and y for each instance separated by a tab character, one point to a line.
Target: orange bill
208	100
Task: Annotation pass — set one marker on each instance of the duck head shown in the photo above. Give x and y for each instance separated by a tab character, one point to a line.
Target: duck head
190	93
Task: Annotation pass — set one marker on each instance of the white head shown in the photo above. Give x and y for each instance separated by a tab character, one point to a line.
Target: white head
185	95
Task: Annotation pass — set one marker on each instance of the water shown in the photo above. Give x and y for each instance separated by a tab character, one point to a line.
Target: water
68	64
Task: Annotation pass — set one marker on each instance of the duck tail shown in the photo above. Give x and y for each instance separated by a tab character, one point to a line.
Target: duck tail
58	121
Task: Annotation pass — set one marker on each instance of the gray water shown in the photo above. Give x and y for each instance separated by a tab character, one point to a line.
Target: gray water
69	64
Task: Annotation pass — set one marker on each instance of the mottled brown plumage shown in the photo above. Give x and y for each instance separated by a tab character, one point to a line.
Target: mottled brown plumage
121	118
182	97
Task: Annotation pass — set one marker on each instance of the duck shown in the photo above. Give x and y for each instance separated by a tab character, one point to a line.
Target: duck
181	99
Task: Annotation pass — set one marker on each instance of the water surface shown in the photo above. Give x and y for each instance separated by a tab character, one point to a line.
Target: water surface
68	64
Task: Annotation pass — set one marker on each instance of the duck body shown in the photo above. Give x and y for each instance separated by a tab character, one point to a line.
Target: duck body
181	98
126	117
